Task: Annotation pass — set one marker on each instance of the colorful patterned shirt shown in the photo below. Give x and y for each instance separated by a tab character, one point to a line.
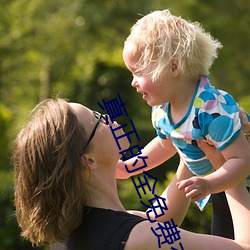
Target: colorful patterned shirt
213	115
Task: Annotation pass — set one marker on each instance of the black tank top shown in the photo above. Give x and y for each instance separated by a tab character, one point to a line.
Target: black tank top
102	229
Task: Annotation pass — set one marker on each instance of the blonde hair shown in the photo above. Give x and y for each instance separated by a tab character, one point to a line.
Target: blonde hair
49	180
160	36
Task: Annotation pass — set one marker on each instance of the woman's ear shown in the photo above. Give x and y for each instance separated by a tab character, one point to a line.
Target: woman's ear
90	161
175	66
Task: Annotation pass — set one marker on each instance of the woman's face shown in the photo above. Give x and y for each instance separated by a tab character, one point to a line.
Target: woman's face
103	142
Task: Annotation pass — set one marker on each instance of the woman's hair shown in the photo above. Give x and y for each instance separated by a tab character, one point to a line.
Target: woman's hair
160	36
49	180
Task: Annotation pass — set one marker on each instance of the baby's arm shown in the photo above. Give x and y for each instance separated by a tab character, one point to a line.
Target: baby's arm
157	151
176	200
234	171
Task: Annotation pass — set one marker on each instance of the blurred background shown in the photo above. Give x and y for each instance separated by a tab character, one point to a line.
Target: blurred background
72	48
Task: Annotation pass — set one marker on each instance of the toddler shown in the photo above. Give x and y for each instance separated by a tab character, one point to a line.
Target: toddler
170	59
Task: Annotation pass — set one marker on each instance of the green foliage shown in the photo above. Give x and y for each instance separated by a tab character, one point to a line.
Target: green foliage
228	22
73	48
5	123
245	103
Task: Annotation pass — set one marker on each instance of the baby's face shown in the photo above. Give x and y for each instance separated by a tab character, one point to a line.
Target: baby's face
154	93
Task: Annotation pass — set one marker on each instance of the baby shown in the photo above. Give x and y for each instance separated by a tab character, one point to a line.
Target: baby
170	59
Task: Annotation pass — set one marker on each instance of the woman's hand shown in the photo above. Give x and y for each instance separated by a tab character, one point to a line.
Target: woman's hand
245	124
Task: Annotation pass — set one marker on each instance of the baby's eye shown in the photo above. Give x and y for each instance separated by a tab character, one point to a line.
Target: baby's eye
137	73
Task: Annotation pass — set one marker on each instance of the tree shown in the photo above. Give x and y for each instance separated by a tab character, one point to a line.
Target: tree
72	48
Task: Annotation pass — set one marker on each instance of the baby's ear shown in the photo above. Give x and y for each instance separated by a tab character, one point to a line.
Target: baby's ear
175	66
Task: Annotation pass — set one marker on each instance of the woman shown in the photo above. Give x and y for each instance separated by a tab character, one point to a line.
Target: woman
65	187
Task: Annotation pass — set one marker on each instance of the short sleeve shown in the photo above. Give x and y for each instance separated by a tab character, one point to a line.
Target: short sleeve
159	121
162	136
219	120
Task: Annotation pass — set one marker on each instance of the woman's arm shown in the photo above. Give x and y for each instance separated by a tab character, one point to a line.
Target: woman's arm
142	236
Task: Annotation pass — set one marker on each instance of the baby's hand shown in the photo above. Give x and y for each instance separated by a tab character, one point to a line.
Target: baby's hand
194	187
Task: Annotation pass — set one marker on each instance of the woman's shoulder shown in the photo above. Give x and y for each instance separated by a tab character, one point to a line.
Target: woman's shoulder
104	228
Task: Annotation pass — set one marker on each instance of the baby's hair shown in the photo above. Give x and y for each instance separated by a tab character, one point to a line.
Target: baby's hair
161	36
49	184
